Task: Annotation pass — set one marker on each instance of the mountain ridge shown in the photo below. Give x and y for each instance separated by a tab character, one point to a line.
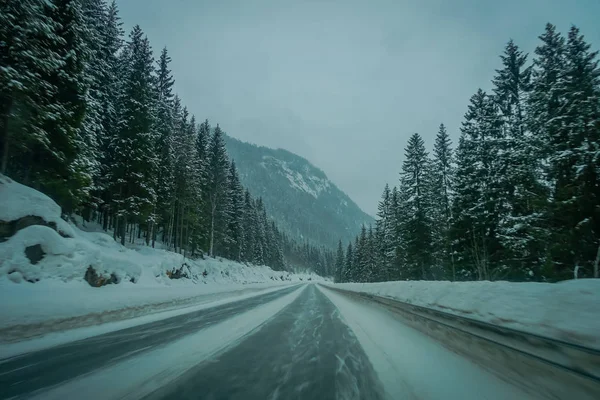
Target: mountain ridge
298	194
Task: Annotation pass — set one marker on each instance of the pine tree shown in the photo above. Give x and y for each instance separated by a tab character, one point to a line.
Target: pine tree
339	263
348	265
96	74
235	208
442	181
520	228
575	162
112	87
165	147
258	257
478	198
56	169
416	188
217	191
28	55
385	236
134	164
250	228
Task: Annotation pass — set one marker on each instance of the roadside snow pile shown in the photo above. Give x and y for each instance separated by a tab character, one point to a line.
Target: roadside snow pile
36	245
55	276
565	311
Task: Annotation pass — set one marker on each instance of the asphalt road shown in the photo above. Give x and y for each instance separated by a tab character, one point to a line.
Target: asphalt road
23	375
305	352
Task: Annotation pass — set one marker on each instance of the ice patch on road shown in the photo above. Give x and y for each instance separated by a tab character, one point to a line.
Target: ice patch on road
413	366
143	374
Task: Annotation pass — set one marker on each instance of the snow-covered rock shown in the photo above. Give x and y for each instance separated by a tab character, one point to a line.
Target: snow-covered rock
18	201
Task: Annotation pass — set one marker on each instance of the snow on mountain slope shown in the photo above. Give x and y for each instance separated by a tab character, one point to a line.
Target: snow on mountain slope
298	195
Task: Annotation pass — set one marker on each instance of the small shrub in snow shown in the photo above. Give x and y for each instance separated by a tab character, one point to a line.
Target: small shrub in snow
96	280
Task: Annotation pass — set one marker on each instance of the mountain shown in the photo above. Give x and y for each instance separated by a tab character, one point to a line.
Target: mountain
298	195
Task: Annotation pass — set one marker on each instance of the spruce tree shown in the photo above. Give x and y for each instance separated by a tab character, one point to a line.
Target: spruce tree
575	162
29	40
339	263
134	161
217	191
417	227
56	168
348	265
478	199
235	209
165	148
520	229
385	236
442	181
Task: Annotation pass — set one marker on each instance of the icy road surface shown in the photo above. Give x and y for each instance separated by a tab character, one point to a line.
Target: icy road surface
296	343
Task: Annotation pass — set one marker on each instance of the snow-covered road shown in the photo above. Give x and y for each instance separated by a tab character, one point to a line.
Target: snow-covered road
304	342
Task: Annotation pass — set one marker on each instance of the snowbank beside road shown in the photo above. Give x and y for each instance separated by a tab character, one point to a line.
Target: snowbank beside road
47	267
565	311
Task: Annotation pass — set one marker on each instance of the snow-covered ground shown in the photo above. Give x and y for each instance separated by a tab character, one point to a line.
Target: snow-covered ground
411	365
52	292
567	311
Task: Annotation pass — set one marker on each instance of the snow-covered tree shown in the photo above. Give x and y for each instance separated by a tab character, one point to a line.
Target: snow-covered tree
478	199
134	160
575	161
520	230
442	175
416	229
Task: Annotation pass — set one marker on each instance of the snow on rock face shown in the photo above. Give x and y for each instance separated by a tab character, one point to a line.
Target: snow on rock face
566	310
303	181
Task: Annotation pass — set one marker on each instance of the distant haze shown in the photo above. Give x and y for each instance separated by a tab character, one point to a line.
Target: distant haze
343	83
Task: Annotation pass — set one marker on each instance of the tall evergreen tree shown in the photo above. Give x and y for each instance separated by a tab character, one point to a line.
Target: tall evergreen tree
29	40
165	147
217	189
417	227
478	197
134	163
348	265
442	181
57	170
235	209
339	263
575	162
520	228
385	236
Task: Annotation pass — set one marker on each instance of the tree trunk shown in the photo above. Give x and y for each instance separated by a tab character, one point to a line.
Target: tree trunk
181	241
5	136
105	220
123	227
213	210
596	263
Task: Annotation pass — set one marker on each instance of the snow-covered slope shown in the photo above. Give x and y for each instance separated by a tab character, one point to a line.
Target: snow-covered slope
566	310
44	262
68	252
298	195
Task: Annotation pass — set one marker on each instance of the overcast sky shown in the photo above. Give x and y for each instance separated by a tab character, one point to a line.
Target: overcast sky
343	83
